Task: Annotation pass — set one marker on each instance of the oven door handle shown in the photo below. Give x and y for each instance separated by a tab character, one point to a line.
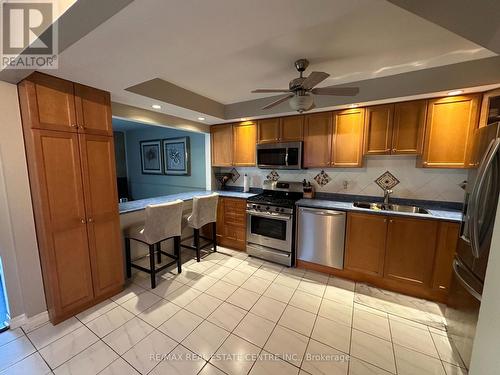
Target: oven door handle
270	216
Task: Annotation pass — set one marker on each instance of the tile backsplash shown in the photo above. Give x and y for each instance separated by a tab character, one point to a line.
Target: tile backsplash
415	183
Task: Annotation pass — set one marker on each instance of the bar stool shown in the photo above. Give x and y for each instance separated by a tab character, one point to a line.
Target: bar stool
162	222
204	212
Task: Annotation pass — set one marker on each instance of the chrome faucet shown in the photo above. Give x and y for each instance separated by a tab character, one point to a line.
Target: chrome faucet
387	193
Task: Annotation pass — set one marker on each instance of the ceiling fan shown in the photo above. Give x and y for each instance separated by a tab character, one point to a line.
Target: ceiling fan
301	88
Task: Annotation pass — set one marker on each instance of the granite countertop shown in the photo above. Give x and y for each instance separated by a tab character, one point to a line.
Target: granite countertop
141	204
435	212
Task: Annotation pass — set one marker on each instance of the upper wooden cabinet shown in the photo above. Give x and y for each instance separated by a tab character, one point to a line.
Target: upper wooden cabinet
222	145
347	143
408	127
52	103
411	245
93	110
317	140
378	129
395	128
365	243
490	108
244	141
449	131
292	128
268	130
48	103
280	129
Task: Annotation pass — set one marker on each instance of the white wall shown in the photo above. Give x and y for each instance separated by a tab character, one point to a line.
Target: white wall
415	183
18	244
485	353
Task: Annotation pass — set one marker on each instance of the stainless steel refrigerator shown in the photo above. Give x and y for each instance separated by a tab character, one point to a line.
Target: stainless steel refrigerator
471	259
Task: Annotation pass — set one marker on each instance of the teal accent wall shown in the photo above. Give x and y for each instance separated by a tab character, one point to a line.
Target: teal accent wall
146	185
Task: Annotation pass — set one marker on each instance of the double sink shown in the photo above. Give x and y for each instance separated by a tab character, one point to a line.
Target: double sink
390	207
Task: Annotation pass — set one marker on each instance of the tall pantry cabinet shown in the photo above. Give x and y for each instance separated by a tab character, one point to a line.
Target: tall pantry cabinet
69	148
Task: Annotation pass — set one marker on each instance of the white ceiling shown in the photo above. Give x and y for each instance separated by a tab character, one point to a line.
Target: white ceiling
223	49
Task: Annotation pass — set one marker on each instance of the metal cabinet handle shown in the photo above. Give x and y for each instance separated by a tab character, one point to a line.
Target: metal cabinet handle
91	220
323	213
83	221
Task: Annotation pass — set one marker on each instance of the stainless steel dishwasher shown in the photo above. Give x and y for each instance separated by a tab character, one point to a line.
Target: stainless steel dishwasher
320	236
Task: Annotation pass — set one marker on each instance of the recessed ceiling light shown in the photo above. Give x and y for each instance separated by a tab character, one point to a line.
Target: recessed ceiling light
353	105
156	106
201	118
244	119
455	92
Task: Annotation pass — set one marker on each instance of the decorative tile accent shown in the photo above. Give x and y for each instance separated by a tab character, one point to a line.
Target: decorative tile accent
235	174
322	178
273	176
387	181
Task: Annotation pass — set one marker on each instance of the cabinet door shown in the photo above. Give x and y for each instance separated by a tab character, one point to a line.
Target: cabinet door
93	110
231	223
245	140
61	221
347	145
222	141
365	243
445	252
411	246
490	108
99	177
317	140
268	130
409	126
292	128
48	103
378	129
449	130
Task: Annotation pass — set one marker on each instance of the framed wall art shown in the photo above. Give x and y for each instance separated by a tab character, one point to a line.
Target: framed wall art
176	154
151	157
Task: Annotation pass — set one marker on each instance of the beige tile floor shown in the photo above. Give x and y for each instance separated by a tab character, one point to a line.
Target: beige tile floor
231	314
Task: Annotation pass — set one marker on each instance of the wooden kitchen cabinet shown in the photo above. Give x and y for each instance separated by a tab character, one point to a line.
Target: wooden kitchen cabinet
317	140
365	243
411	245
403	254
73	187
347	142
99	181
378	129
280	129
93	110
48	103
244	141
222	145
292	128
445	251
269	130
449	131
408	127
231	223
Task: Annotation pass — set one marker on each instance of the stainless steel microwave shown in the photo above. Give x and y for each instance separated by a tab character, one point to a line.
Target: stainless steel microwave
279	155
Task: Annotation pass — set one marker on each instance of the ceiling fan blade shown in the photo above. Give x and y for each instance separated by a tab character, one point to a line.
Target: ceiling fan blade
279	101
313	79
339	91
269	90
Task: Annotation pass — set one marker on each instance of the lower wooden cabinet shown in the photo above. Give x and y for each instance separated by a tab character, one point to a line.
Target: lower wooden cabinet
411	245
231	223
407	255
365	245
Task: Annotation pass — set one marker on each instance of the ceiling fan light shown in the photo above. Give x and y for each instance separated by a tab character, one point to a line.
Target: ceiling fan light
301	103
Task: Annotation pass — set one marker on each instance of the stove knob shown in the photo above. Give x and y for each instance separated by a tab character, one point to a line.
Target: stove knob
277	209
254	206
258	208
267	208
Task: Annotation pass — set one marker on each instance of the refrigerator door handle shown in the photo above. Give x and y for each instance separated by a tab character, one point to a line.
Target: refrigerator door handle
457	269
486	164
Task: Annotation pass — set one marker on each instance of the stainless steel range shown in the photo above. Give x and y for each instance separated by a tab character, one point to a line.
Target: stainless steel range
271	222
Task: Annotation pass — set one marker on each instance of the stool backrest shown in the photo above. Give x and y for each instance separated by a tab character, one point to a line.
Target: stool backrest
163	221
204	210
